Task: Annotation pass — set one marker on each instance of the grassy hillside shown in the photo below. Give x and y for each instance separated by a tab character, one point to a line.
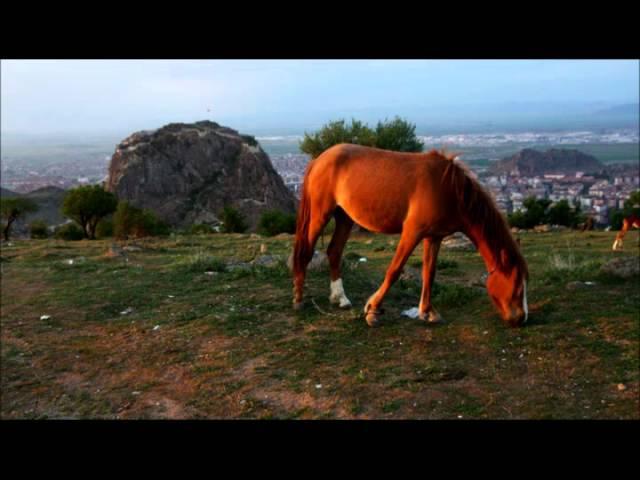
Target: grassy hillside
151	335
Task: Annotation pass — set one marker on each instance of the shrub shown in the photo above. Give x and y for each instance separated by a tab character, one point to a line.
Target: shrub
200	229
69	231
38	229
274	222
130	221
233	221
104	229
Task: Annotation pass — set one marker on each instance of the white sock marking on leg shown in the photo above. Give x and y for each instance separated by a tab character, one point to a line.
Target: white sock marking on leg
337	293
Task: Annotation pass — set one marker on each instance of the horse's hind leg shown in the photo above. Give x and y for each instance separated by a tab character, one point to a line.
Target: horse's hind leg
429	260
319	218
406	245
334	252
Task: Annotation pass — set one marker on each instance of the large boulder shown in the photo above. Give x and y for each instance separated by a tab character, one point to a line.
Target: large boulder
187	173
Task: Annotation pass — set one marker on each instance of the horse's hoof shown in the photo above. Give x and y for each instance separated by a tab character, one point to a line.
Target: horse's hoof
372	319
432	318
297	305
340	302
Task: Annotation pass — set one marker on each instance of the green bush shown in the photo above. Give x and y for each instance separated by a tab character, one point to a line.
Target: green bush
133	222
200	229
69	231
274	222
233	221
104	229
38	229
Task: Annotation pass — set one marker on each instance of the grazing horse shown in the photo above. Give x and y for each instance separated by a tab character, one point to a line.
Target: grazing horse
632	220
422	196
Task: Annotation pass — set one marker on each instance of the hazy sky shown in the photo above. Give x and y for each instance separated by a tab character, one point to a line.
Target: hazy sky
121	96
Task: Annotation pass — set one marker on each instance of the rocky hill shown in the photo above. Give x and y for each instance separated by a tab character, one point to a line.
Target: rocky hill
187	173
529	162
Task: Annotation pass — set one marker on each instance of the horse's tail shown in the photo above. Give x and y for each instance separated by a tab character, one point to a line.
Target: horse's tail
302	248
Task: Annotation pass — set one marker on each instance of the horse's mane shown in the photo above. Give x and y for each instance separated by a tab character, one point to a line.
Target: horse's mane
477	205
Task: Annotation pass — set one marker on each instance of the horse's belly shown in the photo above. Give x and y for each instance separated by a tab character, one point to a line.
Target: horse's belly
374	216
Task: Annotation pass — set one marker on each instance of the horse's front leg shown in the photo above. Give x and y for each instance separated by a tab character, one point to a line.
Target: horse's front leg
407	243
430	256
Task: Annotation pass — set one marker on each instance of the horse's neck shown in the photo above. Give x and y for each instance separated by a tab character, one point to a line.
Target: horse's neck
475	233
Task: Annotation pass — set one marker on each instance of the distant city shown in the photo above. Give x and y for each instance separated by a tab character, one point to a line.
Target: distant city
69	165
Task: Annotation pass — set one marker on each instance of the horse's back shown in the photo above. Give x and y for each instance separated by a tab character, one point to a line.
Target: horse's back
376	187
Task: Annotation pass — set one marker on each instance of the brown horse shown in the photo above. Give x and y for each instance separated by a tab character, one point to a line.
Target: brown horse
422	197
632	220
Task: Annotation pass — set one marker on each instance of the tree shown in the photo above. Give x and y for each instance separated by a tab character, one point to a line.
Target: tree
560	213
397	134
14	208
87	205
233	221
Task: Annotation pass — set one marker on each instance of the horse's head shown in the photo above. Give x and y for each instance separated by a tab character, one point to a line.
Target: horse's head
508	291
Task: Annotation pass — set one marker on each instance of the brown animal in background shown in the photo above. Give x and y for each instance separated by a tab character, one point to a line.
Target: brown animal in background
632	220
422	196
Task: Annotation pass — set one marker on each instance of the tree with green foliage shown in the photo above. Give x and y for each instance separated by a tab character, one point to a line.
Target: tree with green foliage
233	221
540	210
39	229
397	134
87	205
14	208
274	222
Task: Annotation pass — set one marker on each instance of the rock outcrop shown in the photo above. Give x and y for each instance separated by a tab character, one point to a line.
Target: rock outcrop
187	173
529	162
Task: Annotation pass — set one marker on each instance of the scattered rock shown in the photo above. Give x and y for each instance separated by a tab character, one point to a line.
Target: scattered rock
458	241
577	285
362	259
622	267
132	248
411	274
369	242
318	262
126	311
157	327
542	228
318	386
210	273
622	387
263	248
267	260
45	317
